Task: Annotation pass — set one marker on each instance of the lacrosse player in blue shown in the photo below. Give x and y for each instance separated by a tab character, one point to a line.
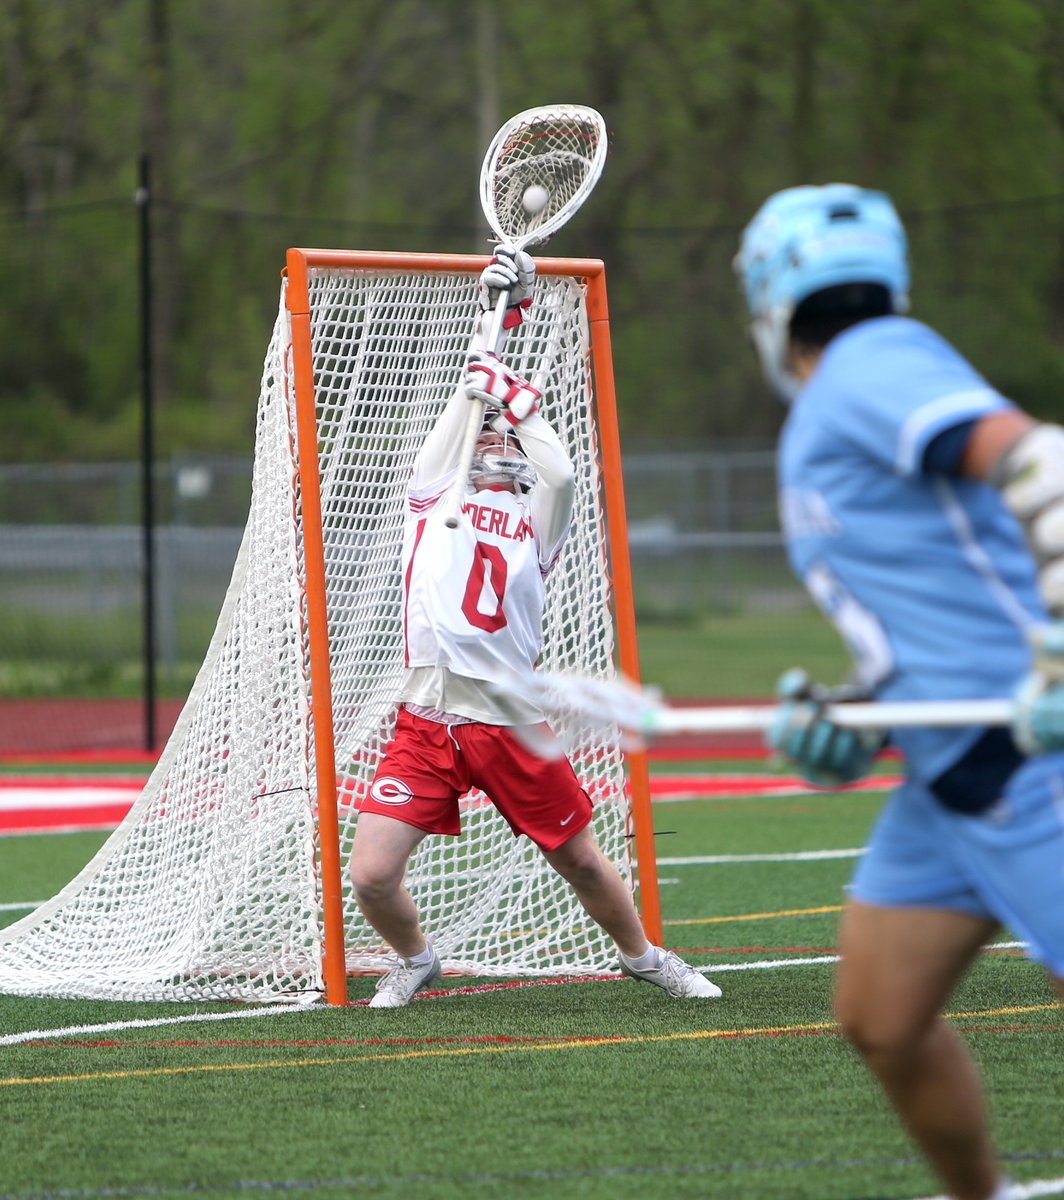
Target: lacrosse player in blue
924	512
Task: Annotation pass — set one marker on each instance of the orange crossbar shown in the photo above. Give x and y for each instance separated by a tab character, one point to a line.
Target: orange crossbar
297	300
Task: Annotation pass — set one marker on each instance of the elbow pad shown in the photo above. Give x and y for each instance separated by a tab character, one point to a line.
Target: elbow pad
1030	476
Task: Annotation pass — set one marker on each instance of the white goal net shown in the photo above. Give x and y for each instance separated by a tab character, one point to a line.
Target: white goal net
211	888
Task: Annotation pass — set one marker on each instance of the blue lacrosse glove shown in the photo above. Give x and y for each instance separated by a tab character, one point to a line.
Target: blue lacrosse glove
1038	703
824	753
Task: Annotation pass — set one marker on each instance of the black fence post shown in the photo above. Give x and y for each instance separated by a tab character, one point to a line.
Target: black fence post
147	448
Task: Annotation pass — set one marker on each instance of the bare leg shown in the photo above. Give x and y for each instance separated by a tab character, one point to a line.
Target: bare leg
601	890
379	859
897	972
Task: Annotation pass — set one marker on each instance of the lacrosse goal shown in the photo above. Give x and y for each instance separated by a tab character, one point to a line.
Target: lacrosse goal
227	879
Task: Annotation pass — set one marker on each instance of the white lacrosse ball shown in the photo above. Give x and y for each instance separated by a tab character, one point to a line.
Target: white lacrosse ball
535	198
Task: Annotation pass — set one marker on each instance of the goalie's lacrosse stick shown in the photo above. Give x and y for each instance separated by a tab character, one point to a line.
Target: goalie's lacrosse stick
604	705
540	167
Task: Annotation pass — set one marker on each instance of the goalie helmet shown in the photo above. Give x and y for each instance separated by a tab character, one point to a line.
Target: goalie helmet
806	239
498	458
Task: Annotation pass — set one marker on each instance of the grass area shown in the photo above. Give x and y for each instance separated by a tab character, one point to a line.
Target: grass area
738	656
73	654
584	1089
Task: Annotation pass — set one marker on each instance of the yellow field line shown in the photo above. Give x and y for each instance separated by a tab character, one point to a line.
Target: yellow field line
471	1051
785	912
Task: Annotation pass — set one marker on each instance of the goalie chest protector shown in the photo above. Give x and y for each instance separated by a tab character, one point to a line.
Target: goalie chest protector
473	596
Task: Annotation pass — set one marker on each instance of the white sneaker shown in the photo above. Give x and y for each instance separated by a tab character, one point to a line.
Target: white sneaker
397	988
674	976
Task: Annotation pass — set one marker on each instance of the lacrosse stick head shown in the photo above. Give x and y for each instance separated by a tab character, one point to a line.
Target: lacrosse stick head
559	148
579	707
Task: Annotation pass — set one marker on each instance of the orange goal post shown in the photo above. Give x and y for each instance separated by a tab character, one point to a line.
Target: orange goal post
227	879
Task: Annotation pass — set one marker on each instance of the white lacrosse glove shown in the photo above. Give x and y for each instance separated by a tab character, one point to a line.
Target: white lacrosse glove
488	379
1038	703
512	271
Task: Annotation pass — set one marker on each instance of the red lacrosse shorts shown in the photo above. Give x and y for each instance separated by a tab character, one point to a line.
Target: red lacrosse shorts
427	767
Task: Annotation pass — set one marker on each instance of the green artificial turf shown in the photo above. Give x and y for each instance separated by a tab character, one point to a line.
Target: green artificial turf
588	1089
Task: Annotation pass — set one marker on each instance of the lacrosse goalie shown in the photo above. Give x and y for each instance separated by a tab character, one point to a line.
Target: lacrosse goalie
925	514
472	609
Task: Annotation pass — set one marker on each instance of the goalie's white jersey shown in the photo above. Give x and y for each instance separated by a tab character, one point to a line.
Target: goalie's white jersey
473	596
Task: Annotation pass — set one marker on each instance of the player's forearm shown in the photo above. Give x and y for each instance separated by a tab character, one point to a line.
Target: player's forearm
545	451
439	451
555	493
991	438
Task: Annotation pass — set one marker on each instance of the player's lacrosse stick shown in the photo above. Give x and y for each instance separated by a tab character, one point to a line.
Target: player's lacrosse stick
640	714
540	167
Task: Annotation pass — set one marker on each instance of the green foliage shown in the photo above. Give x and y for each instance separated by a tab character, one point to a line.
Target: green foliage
363	124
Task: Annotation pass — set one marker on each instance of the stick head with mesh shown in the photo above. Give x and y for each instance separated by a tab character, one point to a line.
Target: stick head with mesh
560	148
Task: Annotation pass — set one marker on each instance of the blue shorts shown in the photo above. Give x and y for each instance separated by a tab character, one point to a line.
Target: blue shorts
1006	863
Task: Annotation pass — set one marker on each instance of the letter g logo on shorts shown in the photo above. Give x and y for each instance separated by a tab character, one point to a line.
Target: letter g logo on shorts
390	791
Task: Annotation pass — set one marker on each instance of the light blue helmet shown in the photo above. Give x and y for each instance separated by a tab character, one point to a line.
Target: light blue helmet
806	239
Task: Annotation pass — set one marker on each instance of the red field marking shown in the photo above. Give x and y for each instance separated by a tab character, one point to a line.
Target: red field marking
83	758
484	1040
70	783
92	729
663	787
50	726
67	803
724	747
40	804
760	950
98	817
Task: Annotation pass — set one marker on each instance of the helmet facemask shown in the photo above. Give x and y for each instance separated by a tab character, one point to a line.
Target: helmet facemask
499	459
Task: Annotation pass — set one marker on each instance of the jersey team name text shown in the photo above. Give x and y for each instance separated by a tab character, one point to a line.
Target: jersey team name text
491	520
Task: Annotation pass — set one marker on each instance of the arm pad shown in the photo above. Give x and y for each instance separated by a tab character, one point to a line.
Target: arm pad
1030	476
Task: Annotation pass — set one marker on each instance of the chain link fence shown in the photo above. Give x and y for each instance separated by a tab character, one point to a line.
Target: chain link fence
703	537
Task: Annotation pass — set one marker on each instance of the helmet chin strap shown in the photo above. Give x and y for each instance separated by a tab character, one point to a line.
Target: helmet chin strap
770	338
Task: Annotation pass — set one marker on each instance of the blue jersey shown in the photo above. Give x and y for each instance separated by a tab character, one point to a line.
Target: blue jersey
926	576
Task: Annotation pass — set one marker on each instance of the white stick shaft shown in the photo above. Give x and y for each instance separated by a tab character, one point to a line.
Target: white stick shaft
465	460
476	419
882	715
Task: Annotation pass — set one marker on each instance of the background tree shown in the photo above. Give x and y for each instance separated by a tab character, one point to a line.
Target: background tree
362	123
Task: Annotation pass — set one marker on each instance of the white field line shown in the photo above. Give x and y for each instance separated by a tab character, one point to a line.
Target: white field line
37	1035
707	860
1027	1191
769	964
693	861
273	1010
47	798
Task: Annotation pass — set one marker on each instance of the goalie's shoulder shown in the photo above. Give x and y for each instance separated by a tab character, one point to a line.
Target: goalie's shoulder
422	498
